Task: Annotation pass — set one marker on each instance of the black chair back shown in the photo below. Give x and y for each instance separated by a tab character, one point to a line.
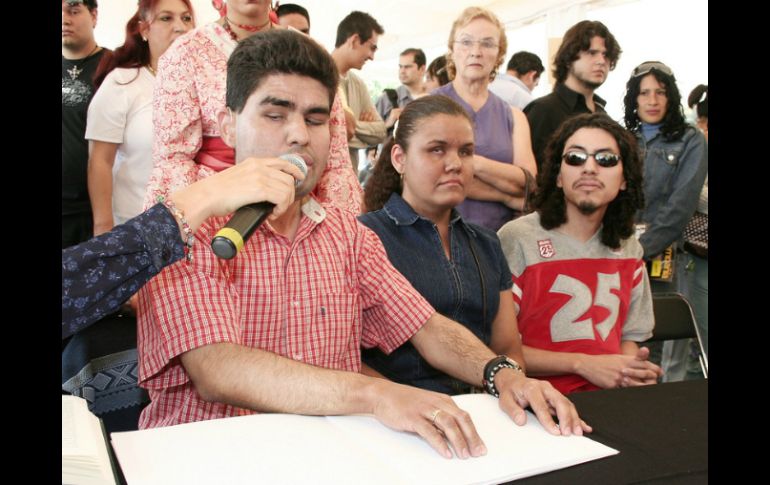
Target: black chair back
675	320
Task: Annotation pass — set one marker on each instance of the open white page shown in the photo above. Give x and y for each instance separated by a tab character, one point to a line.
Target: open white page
262	448
289	449
512	451
85	460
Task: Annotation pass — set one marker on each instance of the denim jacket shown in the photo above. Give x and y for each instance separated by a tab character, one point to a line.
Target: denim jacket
452	286
674	172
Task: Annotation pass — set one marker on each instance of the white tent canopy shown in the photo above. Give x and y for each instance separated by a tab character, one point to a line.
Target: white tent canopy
673	31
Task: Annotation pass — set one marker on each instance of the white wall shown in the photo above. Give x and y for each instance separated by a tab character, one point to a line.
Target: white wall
672	31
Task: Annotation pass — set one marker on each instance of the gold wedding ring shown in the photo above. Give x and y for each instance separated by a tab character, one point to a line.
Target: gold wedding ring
433	416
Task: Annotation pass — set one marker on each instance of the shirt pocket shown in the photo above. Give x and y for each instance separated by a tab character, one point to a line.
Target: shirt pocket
665	166
334	331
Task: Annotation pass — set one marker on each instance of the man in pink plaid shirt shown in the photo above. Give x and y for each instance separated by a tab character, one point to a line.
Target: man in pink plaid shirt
279	327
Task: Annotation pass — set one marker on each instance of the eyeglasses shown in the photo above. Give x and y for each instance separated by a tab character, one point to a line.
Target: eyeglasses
604	159
485	44
648	66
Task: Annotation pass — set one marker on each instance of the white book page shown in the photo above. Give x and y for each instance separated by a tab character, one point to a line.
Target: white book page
512	451
85	459
76	428
263	448
288	449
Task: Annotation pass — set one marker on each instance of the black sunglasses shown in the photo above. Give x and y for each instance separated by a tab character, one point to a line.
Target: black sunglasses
604	159
648	66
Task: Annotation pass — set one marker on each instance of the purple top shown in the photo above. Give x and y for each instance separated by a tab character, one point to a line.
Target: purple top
493	131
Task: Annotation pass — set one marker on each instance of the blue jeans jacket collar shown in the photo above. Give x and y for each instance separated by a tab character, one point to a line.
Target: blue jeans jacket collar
402	214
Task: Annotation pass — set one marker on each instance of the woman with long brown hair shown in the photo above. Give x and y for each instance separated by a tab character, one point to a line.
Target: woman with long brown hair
120	115
422	175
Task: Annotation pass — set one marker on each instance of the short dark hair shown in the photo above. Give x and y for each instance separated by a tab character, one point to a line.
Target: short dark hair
419	55
360	23
548	200
276	51
437	70
287	8
674	123
522	62
384	180
699	100
90	4
577	39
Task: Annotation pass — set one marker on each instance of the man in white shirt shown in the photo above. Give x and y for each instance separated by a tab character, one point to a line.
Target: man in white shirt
516	84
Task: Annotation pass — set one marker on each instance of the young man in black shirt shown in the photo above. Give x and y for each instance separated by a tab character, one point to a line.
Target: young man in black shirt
79	57
587	53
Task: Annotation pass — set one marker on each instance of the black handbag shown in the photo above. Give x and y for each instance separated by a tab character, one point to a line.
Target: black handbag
696	235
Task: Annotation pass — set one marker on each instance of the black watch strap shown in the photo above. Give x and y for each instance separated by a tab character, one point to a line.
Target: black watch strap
493	367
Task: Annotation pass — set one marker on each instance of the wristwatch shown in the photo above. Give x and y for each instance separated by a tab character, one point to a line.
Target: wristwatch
493	367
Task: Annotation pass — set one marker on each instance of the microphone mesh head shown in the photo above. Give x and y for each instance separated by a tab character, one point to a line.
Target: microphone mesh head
298	162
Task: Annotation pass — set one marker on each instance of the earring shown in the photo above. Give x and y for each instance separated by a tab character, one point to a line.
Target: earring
144	38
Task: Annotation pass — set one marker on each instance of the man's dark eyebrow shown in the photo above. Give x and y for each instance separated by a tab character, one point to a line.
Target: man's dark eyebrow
285	103
318	110
581	147
272	100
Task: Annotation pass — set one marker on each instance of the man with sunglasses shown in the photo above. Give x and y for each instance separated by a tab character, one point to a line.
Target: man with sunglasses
580	285
587	54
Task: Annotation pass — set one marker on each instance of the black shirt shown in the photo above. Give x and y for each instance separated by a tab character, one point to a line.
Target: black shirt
546	114
77	89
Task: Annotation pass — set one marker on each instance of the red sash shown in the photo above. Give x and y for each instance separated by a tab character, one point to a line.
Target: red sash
215	154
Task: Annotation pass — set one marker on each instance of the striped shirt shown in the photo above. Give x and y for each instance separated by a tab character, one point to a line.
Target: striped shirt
317	300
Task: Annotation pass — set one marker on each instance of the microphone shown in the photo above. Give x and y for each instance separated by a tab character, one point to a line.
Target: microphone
231	238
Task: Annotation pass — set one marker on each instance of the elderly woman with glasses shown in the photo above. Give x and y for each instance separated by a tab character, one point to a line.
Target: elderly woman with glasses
503	165
675	167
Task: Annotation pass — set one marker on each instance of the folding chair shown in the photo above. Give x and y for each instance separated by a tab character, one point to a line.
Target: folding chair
674	320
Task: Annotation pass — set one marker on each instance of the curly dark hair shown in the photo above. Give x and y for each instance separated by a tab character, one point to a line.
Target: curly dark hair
674	123
384	180
549	201
577	39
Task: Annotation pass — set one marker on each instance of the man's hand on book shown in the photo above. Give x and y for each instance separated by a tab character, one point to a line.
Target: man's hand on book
518	391
432	415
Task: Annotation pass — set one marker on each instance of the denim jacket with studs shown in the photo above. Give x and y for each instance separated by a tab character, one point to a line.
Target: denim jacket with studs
674	172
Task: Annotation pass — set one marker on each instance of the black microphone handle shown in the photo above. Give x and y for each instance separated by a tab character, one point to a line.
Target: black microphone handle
231	238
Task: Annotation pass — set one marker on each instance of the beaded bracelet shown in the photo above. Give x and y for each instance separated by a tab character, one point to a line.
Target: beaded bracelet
179	215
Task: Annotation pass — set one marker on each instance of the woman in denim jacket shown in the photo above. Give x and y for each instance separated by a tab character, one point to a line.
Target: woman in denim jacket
458	267
675	168
675	155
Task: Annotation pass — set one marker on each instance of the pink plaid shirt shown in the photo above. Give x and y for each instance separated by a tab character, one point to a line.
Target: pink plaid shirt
317	300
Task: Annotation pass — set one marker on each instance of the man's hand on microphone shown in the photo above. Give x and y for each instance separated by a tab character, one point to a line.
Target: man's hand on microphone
252	180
